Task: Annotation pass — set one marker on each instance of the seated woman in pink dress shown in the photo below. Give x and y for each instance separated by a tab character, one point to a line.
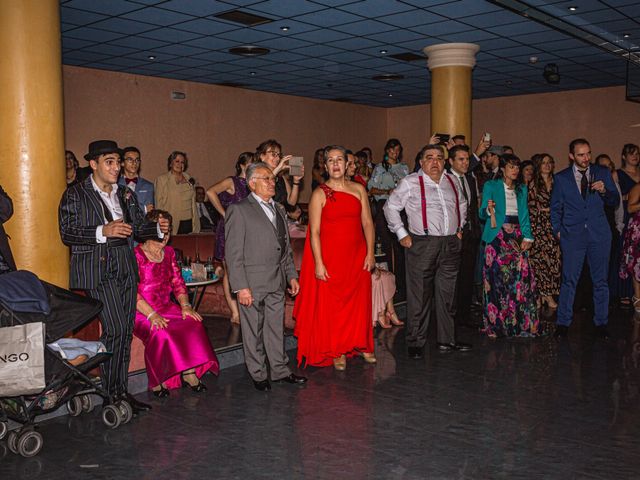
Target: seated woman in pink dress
177	348
383	288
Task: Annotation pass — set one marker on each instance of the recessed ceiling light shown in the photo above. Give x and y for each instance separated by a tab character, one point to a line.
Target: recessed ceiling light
626	35
252	74
151	57
390	95
509	82
383	52
284	29
573	9
388	77
249	51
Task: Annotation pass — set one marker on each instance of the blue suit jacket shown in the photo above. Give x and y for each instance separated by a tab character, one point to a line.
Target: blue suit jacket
571	214
494	190
144	192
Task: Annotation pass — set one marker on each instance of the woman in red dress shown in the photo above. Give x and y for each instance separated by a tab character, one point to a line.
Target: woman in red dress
333	308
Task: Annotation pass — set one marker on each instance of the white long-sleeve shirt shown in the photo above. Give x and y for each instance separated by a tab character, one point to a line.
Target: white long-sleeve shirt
442	214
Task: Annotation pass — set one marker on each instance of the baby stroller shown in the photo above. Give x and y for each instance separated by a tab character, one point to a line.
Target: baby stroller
65	383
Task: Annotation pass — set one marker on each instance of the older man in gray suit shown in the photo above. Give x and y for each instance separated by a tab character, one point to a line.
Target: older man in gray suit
260	266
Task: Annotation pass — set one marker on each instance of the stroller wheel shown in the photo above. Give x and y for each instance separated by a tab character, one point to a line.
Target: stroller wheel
30	443
126	411
4	428
12	441
111	416
87	403
74	406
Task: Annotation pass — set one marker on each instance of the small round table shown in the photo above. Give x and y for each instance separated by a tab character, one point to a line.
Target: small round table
201	285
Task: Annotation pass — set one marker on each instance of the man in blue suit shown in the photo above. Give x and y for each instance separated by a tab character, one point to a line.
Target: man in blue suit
580	193
131	178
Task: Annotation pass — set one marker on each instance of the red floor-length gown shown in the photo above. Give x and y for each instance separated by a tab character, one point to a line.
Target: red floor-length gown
333	317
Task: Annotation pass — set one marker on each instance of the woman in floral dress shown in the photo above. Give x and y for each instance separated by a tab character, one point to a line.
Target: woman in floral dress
509	286
630	264
545	251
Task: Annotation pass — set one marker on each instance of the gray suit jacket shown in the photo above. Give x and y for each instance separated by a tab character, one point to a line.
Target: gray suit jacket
252	250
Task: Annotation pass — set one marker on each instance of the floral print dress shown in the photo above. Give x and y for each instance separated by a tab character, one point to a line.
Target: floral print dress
509	287
630	262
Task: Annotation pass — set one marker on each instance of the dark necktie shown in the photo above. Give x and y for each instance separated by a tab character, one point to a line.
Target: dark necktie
584	183
273	211
464	189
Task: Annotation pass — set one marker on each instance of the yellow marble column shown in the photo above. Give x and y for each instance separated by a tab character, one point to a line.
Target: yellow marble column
32	168
451	65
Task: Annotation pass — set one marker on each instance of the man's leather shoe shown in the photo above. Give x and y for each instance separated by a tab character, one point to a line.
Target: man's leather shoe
292	378
602	332
262	386
454	347
136	405
415	352
561	331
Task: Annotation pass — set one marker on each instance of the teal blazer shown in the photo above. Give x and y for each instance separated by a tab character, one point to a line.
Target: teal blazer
494	190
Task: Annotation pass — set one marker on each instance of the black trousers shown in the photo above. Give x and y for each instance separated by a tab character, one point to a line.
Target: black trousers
466	274
432	269
118	293
392	249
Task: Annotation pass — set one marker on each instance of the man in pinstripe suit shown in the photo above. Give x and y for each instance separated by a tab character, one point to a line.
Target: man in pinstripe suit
98	220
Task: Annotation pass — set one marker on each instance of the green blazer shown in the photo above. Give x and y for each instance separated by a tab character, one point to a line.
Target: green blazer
494	190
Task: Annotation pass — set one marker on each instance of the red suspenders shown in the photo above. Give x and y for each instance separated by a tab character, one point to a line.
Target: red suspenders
423	201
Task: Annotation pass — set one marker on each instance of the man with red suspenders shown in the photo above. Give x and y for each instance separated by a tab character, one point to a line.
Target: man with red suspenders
436	211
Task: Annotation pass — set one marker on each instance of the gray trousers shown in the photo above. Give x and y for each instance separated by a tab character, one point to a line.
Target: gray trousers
432	269
262	327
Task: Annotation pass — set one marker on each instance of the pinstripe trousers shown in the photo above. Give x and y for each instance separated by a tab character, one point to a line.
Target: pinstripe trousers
118	293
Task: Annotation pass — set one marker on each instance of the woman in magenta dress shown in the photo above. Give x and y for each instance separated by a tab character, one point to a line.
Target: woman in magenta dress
333	308
177	348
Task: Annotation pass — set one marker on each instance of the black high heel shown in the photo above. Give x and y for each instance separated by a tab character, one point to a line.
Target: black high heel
199	388
162	393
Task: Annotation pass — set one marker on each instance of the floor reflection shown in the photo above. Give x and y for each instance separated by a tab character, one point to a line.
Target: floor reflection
511	408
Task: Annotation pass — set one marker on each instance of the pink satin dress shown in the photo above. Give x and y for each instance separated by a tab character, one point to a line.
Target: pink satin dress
183	344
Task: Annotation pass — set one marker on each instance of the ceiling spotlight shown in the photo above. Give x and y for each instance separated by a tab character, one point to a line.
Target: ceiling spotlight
388	77
383	52
573	9
253	74
249	51
284	29
509	82
533	59
551	73
626	35
390	95
151	57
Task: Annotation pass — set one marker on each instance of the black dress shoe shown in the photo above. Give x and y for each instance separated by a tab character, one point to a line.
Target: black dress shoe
561	331
454	347
292	378
162	393
415	353
200	387
262	386
602	332
136	405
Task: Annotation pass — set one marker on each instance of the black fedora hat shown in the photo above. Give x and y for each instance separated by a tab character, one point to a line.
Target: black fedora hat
102	147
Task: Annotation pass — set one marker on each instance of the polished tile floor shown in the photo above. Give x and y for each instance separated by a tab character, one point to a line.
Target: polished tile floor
509	409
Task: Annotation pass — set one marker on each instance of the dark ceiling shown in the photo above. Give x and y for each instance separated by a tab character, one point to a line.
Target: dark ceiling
333	48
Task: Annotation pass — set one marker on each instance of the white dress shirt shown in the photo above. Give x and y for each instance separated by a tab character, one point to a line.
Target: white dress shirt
442	215
112	203
578	176
511	200
271	214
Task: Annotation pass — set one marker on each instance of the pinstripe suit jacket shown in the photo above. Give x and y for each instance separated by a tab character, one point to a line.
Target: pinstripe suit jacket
80	213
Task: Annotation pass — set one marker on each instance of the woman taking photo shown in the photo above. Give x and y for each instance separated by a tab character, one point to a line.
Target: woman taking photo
224	193
333	308
287	192
545	251
176	194
509	286
177	348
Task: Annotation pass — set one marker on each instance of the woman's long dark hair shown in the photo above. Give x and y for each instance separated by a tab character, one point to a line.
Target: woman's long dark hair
245	158
538	181
628	149
510	159
391	143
